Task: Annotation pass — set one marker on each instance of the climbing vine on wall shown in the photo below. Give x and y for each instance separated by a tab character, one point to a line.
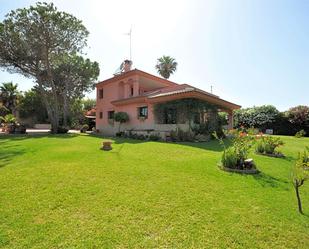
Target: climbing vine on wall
186	110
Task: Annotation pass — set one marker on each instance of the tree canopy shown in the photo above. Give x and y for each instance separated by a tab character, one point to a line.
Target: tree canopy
73	77
40	41
298	115
257	116
166	66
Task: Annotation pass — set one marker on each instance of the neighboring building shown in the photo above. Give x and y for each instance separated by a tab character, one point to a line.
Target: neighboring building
90	115
136	93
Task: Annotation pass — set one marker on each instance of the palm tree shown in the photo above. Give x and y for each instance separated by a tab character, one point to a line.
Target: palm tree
166	66
9	96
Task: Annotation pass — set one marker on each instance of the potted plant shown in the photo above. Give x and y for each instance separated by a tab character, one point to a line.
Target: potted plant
9	123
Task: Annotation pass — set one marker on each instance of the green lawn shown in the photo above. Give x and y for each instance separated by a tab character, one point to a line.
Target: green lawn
63	192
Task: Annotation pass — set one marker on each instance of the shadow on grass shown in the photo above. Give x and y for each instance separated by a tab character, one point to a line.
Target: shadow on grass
266	181
8	152
212	145
17	137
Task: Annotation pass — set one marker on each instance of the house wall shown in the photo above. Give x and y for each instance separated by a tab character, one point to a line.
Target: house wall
109	127
133	87
119	90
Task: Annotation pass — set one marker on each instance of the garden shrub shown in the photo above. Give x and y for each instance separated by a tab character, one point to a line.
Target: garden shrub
141	137
84	128
268	145
154	137
300	134
119	134
62	130
260	148
11	126
229	158
235	156
179	135
20	129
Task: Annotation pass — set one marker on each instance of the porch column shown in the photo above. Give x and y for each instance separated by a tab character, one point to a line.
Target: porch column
230	120
135	88
126	91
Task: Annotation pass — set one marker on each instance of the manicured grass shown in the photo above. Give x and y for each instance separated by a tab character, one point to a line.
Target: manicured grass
64	192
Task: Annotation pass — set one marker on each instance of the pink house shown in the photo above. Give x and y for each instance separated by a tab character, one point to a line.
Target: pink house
137	93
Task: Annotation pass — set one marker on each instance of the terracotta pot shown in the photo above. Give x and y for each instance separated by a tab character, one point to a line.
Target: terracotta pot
107	145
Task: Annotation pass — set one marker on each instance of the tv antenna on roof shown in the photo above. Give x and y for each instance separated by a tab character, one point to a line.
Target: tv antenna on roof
211	88
130	37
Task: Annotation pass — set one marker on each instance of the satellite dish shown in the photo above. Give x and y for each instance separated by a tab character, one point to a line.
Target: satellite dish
124	67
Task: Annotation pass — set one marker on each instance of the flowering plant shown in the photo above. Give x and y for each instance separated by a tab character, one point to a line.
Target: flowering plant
268	145
236	155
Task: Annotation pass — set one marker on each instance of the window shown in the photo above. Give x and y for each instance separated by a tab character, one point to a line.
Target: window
143	112
170	116
132	91
101	115
110	114
100	93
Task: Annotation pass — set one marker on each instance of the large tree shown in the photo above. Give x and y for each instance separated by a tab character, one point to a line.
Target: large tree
73	78
166	66
9	95
299	115
34	41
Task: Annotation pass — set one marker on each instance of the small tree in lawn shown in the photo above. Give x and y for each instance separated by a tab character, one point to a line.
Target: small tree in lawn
121	117
300	173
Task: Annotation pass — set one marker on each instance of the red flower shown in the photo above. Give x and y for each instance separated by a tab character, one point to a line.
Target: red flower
242	134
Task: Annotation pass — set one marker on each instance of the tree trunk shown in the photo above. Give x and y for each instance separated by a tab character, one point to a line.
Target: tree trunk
296	186
52	115
54	100
65	109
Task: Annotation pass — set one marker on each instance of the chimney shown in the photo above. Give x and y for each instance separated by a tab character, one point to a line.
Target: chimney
127	64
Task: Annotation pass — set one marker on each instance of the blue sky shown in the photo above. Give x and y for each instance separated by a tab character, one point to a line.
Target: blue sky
253	52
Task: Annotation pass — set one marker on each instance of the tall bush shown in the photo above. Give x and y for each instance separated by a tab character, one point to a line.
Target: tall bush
298	116
261	117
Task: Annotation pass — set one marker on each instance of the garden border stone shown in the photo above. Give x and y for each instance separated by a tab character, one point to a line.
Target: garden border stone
278	155
240	171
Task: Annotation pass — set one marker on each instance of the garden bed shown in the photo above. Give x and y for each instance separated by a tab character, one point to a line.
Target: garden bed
277	155
239	171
